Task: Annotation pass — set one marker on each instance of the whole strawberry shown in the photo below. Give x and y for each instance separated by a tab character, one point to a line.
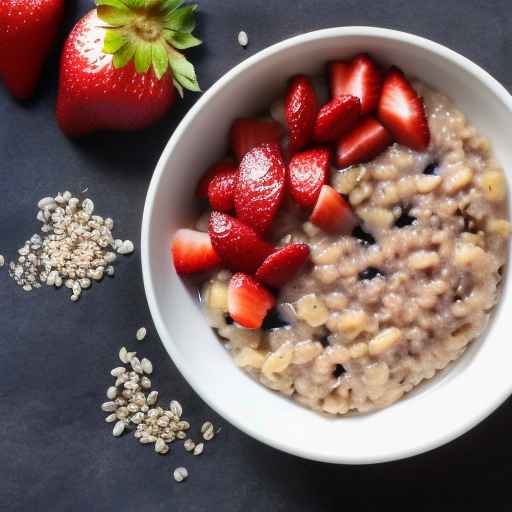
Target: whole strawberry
27	32
121	65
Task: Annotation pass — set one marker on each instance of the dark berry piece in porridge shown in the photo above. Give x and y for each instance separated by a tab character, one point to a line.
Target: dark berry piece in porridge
338	371
260	186
370	273
336	118
432	169
301	109
273	320
363	236
405	219
359	77
246	134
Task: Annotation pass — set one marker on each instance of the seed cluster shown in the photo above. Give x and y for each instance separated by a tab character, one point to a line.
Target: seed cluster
75	249
133	406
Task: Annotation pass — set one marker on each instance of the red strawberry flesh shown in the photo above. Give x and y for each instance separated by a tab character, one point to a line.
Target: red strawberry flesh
221	190
238	245
248	301
204	182
336	118
245	134
27	32
402	111
282	266
260	186
363	143
301	108
332	213
192	251
307	173
359	77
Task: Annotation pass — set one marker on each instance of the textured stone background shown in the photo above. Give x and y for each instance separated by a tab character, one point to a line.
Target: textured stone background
56	453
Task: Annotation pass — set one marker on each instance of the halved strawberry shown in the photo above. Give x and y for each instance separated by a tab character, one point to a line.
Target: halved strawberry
192	251
363	143
402	111
332	213
307	173
248	301
336	118
219	168
248	133
359	77
300	111
221	190
238	245
260	186
282	265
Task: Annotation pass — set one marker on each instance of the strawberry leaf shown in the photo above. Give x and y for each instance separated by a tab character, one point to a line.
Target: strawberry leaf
181	40
183	71
160	59
143	57
124	55
182	19
114	40
168	6
178	87
135	4
119	4
115	16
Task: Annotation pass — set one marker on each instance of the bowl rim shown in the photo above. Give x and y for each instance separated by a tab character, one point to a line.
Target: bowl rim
195	382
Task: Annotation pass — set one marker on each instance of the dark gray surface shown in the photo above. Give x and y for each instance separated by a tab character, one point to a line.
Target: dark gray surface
56	453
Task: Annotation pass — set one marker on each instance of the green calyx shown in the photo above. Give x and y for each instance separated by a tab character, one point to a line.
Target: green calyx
151	32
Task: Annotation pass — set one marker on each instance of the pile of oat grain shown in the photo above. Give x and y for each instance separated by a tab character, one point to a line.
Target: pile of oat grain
133	406
75	248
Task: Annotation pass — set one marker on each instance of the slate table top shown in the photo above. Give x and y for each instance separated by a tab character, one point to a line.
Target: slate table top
56	452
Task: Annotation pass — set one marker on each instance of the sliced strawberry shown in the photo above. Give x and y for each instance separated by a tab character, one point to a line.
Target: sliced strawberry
221	168
307	173
282	265
332	213
248	133
248	301
363	143
221	190
260	186
402	112
192	251
359	77
336	118
238	245
300	110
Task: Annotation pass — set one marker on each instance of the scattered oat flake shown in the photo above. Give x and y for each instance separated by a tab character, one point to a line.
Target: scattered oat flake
243	38
141	334
180	474
2	261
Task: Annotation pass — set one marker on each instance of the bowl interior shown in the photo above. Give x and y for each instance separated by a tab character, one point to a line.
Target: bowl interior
426	418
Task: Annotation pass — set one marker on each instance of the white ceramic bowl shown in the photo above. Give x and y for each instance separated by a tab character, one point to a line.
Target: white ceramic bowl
434	414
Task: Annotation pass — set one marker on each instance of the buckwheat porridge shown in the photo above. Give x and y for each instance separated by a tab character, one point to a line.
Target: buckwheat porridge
379	309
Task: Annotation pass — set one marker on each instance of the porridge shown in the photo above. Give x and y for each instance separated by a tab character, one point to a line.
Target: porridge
375	278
